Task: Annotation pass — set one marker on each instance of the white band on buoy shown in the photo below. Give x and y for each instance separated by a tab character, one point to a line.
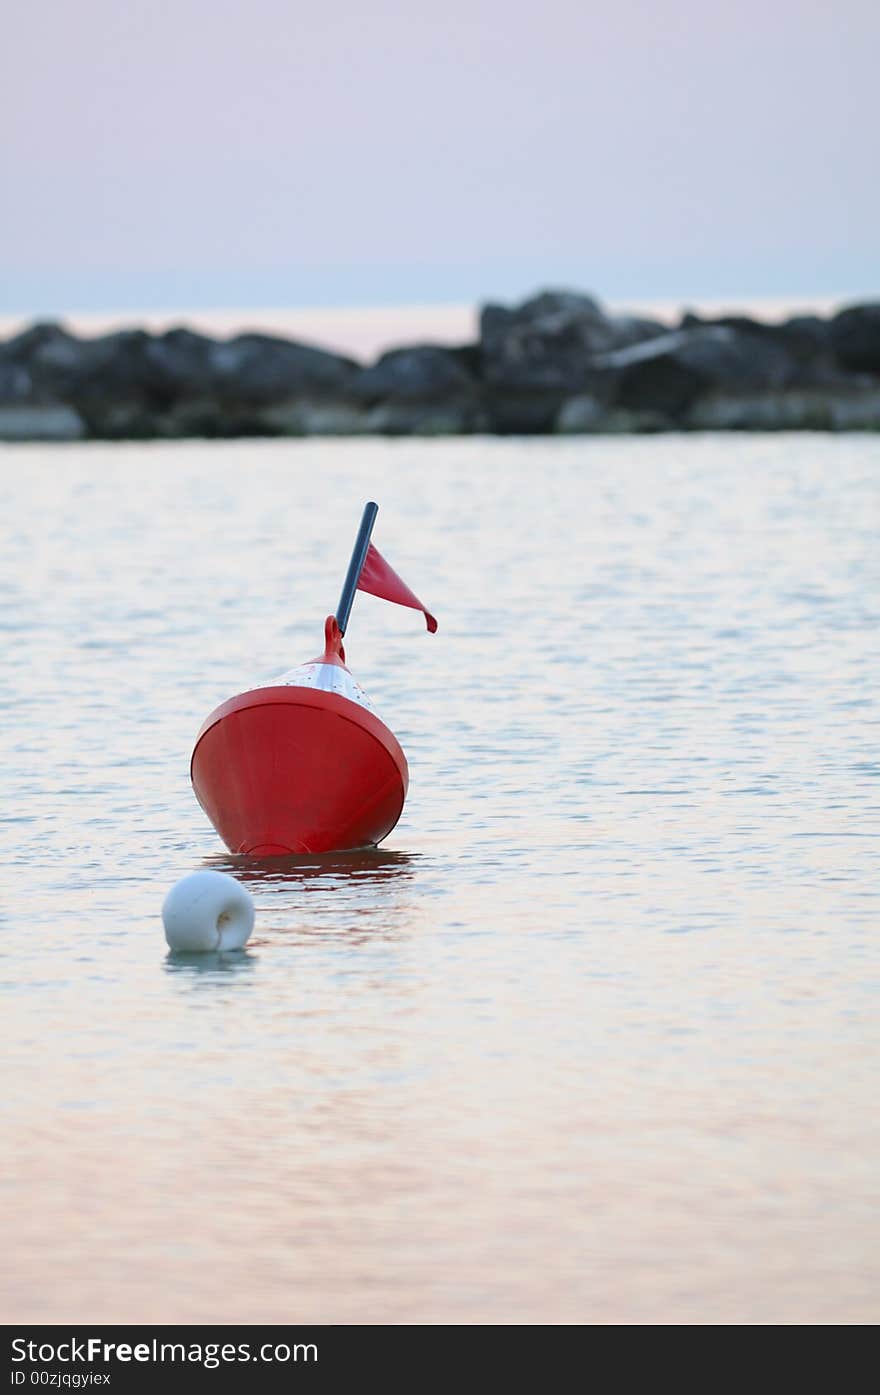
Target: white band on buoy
330	678
207	911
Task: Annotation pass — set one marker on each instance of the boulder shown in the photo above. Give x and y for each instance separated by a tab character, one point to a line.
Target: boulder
29	411
37	337
536	355
178	367
259	369
66	366
855	338
102	379
549	341
425	390
49	355
16	385
423	373
669	373
804	338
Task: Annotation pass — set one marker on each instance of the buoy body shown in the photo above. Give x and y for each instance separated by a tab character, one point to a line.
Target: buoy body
207	911
302	765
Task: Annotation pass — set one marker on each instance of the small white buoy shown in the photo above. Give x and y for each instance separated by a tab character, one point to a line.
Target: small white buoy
208	911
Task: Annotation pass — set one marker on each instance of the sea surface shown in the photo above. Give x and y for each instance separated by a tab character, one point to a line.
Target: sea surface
595	1036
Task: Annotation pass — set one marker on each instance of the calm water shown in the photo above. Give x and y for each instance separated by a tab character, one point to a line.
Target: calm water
595	1037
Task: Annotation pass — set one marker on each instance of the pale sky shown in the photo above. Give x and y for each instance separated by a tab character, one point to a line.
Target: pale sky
219	153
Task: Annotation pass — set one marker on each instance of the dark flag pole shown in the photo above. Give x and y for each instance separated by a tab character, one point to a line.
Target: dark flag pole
356	565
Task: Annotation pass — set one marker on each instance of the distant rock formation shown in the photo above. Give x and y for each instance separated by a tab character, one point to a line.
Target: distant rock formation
558	362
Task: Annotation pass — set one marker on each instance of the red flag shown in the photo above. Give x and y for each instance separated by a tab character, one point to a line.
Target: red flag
381	580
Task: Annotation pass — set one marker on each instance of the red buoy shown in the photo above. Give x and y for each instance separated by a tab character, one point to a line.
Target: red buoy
304	764
301	766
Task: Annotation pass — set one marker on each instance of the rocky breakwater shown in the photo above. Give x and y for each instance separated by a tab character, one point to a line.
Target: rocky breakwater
558	363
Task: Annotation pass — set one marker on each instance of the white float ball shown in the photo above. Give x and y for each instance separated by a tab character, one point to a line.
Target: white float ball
208	911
